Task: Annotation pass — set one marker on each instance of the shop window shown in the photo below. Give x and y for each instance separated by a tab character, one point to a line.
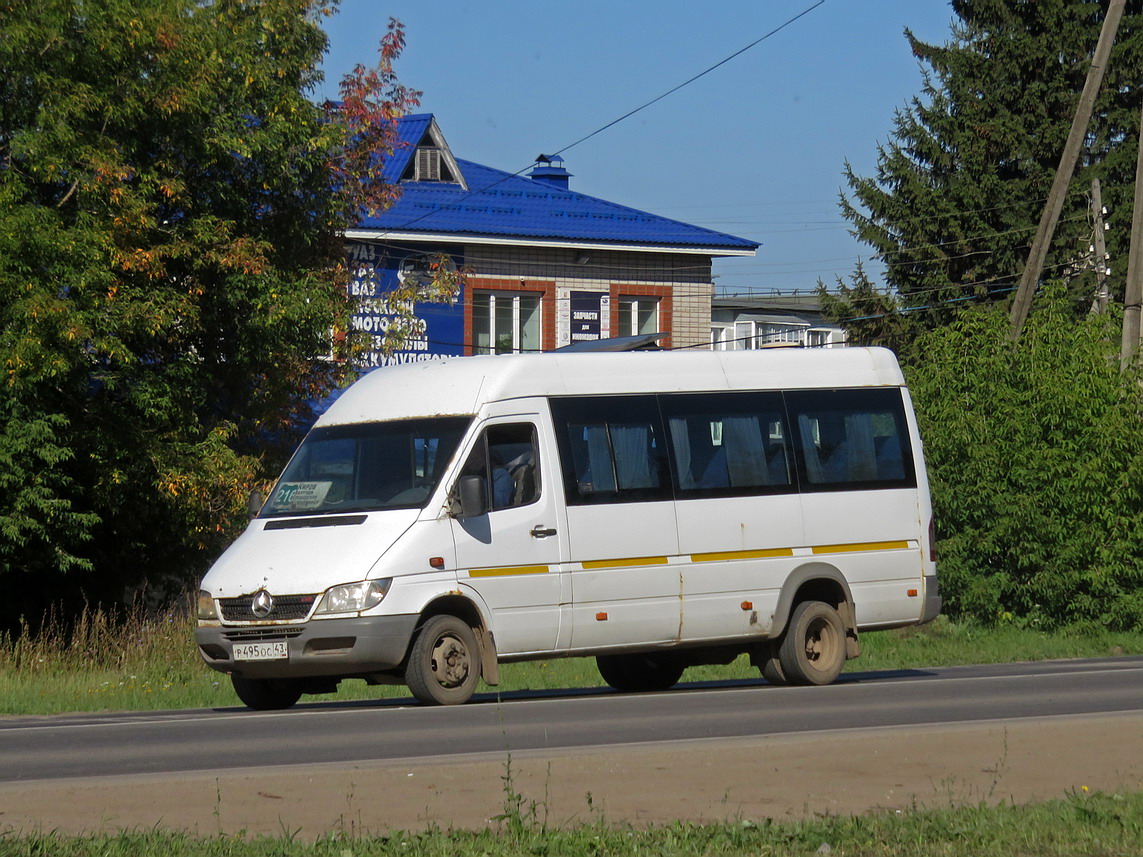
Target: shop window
505	322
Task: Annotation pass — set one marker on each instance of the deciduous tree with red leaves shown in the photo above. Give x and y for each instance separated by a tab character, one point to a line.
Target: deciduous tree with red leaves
172	201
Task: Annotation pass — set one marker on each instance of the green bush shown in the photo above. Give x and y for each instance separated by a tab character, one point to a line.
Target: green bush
1035	455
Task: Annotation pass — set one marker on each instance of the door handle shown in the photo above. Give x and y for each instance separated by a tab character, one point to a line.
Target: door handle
542	532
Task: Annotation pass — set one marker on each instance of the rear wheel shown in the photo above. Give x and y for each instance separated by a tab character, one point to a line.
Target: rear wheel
640	672
813	648
771	668
444	663
267	694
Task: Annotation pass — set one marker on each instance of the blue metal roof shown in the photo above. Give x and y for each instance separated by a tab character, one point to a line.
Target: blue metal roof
507	205
410	130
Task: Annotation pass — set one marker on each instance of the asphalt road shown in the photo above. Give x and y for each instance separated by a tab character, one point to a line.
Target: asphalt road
54	748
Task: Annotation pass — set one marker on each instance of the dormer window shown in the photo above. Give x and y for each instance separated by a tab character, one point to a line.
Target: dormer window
430	159
428	164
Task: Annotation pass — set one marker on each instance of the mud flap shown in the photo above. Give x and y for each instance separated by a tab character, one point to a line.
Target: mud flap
852	645
489	665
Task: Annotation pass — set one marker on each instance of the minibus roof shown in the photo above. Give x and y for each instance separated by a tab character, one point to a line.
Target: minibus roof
460	385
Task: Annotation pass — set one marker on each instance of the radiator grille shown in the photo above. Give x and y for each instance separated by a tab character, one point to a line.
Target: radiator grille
285	608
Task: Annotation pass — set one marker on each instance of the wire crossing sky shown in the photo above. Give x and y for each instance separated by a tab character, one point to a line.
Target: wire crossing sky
753	147
644	106
689	81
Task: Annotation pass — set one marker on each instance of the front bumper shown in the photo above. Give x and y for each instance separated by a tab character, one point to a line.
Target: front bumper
321	647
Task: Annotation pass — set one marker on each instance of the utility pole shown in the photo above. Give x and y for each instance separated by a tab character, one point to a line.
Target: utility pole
1133	295
1102	269
1022	303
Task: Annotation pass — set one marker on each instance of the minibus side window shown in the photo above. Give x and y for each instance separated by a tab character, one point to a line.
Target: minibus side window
507	452
852	438
611	449
728	444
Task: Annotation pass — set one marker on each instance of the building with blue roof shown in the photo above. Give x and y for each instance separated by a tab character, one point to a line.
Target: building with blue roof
545	266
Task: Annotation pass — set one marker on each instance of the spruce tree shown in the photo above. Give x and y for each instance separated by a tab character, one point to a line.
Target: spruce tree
960	186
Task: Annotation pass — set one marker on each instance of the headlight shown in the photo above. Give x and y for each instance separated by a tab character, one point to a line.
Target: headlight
206	605
354	597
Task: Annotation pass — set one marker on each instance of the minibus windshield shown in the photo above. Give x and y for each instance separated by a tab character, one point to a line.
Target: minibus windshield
365	467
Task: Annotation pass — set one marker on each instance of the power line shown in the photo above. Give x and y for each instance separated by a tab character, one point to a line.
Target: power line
898	224
761	338
988	282
904	310
625	116
691	80
809	265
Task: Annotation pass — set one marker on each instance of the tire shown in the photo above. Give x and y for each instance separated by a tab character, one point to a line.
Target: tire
771	668
639	673
444	663
267	694
813	647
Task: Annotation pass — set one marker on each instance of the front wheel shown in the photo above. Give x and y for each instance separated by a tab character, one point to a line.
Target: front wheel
813	648
444	663
267	694
639	673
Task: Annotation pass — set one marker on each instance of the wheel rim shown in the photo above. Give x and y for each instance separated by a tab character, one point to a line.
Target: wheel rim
450	661
822	645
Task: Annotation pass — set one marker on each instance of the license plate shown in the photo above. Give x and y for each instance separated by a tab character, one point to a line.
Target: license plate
261	651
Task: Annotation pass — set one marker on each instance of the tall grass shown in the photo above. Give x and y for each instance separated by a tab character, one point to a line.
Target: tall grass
144	660
137	660
97	640
1094	825
949	643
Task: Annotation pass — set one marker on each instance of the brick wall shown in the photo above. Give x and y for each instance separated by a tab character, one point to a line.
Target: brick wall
681	283
588	264
692	315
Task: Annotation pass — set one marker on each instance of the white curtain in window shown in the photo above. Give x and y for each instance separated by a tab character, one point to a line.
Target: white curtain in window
602	478
862	451
806	428
745	454
632	444
680	439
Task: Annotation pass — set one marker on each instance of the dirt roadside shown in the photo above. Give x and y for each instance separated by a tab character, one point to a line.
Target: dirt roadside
788	776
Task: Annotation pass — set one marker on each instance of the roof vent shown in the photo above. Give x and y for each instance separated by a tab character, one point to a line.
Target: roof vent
549	169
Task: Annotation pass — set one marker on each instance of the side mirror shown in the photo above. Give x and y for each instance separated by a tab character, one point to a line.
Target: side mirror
473	496
254	503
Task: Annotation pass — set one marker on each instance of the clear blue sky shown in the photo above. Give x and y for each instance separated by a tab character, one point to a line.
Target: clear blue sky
756	148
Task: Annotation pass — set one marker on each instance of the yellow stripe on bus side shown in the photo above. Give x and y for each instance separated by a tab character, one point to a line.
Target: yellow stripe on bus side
861	546
715	556
761	553
617	563
718	556
506	570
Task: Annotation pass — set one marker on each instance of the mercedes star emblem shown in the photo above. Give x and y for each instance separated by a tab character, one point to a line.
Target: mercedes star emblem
262	604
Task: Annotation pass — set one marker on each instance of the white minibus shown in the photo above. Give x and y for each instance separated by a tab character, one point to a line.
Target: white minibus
655	510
